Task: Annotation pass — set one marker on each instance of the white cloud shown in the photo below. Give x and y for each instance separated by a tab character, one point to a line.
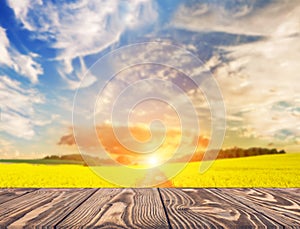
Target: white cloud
18	116
256	79
259	76
256	75
81	74
245	19
7	150
26	66
21	9
22	64
82	27
4	44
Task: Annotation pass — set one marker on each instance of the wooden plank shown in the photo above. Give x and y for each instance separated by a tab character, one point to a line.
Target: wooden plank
119	208
44	207
12	193
275	204
143	208
293	193
207	208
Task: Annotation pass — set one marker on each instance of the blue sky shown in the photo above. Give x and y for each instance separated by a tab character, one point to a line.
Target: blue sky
251	47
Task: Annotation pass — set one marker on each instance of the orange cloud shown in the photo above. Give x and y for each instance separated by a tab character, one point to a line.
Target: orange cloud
67	140
164	152
132	145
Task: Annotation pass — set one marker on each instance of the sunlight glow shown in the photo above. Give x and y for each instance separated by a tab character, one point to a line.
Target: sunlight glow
153	160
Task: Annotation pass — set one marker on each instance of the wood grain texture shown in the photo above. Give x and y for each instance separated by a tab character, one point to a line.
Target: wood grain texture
150	208
207	208
44	207
119	208
293	193
276	204
12	193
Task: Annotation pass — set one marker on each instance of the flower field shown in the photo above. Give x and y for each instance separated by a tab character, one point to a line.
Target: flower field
260	171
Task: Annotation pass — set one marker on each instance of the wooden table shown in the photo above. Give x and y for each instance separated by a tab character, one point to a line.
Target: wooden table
150	208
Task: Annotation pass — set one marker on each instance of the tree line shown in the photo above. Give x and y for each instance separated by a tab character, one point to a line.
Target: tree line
236	153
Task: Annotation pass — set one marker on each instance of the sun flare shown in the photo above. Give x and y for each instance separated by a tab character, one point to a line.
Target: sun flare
153	160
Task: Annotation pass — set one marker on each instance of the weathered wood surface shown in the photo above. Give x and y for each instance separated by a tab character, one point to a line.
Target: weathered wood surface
41	207
208	208
9	194
150	208
127	208
277	205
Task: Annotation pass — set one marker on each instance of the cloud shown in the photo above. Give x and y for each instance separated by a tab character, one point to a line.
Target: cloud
254	82
4	44
18	116
82	27
82	73
129	144
22	64
21	8
259	76
256	76
7	149
248	18
67	140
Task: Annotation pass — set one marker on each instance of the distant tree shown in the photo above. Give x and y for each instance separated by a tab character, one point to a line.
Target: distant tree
281	152
239	152
54	157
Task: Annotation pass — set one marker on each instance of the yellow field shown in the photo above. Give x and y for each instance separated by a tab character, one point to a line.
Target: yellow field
261	171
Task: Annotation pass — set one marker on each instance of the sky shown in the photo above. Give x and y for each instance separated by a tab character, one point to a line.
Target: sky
48	51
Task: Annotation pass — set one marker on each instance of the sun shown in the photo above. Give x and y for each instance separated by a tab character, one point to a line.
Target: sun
153	160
